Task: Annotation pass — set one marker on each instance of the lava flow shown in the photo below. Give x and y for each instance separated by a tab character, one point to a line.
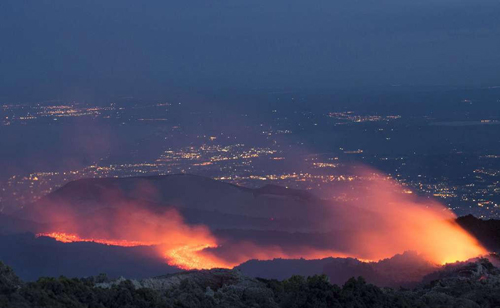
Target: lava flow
189	257
72	238
382	223
184	257
130	225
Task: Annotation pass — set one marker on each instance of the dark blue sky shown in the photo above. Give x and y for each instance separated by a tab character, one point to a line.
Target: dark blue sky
51	48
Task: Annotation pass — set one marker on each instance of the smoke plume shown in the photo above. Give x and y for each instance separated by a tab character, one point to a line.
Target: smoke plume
379	220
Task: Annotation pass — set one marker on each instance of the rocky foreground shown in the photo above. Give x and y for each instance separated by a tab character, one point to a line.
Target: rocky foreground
473	284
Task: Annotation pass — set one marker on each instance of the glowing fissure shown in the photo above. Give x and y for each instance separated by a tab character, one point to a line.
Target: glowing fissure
73	238
187	257
184	257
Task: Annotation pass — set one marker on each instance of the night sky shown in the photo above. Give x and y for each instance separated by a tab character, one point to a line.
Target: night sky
82	49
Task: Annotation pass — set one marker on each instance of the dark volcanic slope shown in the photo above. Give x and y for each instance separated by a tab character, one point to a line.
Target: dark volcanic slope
10	224
34	257
200	200
486	231
405	269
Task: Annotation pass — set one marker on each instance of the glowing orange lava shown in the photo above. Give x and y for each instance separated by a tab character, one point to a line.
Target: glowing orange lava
190	257
71	238
187	258
133	225
382	223
184	257
399	221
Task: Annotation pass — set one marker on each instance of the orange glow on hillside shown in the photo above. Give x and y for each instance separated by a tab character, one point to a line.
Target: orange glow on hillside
184	257
72	238
189	257
385	220
398	221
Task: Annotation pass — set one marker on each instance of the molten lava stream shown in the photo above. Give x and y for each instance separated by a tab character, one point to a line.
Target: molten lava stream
71	238
184	256
188	257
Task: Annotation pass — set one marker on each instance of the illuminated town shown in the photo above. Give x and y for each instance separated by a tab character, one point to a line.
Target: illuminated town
269	158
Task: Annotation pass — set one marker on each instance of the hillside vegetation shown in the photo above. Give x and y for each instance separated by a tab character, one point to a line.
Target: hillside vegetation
475	284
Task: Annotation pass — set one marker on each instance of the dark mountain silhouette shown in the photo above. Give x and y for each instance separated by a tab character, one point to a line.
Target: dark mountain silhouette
405	269
33	257
201	199
284	268
486	231
271	189
10	224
